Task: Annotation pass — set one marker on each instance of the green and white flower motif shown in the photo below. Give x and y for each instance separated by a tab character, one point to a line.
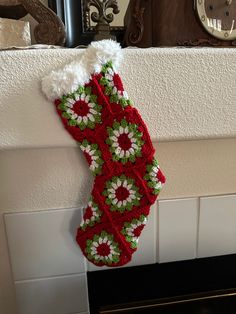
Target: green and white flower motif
103	248
133	229
81	109
125	141
93	156
152	177
122	194
109	81
91	216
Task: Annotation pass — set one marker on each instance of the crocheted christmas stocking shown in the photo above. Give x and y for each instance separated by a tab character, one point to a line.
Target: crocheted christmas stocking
97	112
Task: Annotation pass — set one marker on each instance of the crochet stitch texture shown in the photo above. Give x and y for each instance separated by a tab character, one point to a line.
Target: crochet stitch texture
97	112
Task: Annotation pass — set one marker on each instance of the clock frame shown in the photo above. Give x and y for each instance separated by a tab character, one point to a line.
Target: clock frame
213	22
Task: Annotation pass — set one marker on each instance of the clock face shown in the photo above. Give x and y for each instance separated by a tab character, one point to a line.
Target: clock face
218	17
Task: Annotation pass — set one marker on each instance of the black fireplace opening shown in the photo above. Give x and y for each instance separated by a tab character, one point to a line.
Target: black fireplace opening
199	286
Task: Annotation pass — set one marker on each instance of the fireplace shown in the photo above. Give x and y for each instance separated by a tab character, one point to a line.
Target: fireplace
203	286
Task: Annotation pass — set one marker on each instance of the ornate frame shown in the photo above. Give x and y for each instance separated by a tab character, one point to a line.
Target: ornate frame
75	15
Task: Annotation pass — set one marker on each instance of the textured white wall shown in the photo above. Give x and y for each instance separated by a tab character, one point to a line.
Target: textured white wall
34	179
181	94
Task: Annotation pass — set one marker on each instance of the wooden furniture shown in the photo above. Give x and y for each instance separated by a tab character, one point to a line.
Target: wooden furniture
50	29
175	23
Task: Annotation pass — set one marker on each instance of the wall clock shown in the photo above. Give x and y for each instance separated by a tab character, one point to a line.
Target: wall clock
181	23
218	17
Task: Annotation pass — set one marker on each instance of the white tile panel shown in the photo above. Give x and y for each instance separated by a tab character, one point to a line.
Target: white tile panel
177	229
217	226
146	252
42	244
58	295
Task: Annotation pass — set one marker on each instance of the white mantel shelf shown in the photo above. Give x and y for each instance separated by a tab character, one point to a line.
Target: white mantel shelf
182	94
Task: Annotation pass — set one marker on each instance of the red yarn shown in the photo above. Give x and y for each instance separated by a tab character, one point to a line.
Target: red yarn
122	193
88	158
81	108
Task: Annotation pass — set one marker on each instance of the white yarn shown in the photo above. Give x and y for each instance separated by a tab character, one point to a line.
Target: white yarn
67	79
100	52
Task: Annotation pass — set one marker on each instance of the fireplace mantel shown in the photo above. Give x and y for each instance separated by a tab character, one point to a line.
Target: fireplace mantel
182	94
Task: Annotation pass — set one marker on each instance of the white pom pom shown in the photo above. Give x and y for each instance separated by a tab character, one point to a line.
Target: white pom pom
76	73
